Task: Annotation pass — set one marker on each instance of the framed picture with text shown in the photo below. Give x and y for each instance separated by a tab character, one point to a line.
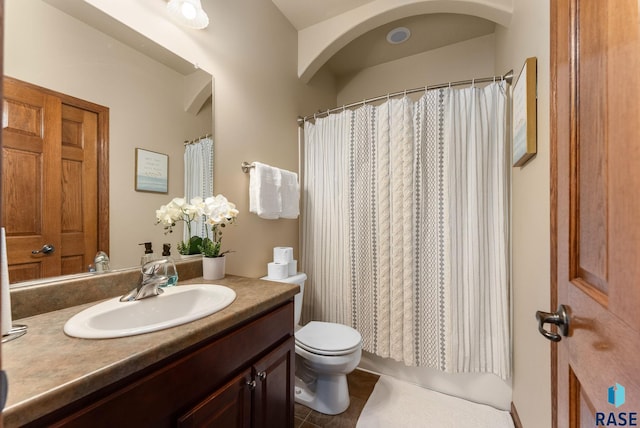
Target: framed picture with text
152	171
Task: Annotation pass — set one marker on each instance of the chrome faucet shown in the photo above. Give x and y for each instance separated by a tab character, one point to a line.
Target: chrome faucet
101	262
150	283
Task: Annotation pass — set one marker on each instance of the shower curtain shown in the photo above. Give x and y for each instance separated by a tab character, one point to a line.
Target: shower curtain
198	178
405	227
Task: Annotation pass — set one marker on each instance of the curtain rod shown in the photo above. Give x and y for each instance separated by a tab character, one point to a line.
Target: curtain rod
195	140
508	76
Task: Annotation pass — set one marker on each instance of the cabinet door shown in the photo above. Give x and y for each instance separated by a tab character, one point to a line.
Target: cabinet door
230	406
273	396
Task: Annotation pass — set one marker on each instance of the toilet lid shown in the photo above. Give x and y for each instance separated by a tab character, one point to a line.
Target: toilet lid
326	338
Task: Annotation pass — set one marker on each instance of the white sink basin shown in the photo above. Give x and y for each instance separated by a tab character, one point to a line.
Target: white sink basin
177	305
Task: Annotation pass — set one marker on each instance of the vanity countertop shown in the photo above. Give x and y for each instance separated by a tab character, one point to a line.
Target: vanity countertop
48	369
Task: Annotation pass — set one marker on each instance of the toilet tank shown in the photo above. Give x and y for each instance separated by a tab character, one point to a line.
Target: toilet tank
297	279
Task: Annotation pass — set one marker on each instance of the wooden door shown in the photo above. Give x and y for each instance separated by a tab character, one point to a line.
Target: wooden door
2	397
595	132
31	176
54	180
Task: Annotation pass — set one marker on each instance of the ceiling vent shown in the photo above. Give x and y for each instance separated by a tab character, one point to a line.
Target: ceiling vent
398	35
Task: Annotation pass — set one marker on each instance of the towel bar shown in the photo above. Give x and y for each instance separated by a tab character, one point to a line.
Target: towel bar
246	166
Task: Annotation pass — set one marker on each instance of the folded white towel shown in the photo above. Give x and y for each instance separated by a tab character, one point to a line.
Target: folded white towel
264	191
289	194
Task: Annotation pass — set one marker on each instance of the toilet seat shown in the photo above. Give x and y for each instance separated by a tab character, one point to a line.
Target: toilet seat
325	338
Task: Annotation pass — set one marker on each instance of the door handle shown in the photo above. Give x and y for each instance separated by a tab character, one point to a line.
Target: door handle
46	249
559	318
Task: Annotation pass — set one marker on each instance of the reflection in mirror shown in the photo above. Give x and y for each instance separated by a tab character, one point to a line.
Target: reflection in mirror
155	101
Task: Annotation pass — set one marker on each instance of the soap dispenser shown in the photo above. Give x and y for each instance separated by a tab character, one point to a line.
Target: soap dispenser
169	269
148	253
166	250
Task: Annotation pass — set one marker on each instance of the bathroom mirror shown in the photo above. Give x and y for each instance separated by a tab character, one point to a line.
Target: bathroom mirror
156	101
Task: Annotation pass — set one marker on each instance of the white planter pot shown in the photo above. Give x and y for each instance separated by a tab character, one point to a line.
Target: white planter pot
213	267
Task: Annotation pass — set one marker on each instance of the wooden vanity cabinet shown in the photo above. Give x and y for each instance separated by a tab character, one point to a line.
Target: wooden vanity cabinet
244	378
252	399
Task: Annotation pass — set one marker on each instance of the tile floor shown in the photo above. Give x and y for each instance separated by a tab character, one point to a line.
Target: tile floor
361	385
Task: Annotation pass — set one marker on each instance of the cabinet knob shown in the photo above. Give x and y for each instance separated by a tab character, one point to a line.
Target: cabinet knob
262	375
251	384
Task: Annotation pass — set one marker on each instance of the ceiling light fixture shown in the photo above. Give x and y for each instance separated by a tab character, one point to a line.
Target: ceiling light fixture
188	13
398	35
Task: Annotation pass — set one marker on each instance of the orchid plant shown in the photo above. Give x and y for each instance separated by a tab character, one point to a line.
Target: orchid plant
216	211
179	210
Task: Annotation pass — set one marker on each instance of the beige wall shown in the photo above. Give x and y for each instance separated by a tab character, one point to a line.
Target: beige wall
146	99
258	98
527	36
461	61
320	41
251	50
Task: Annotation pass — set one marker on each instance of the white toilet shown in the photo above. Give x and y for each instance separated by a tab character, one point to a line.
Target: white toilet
325	354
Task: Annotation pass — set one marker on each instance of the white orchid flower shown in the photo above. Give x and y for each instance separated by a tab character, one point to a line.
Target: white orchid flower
178	202
215	211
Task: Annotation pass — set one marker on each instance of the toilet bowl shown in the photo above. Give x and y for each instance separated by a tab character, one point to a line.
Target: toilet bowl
325	354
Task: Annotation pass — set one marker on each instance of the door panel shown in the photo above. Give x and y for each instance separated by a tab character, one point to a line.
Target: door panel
79	189
589	253
23	194
596	232
583	409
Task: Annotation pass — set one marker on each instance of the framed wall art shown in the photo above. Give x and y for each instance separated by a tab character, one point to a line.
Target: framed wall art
152	171
524	119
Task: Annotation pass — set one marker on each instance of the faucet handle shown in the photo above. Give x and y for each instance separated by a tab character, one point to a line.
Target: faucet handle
152	267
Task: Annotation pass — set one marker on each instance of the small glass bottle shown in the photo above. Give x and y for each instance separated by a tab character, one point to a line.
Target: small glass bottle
169	269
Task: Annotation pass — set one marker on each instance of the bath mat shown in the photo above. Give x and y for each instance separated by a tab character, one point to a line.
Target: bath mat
397	404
